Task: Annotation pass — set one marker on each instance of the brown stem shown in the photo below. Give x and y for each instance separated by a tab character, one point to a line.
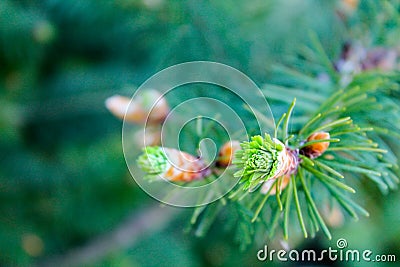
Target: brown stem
127	234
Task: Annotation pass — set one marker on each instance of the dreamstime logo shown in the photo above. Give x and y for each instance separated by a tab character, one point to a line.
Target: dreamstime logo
221	88
340	254
341	243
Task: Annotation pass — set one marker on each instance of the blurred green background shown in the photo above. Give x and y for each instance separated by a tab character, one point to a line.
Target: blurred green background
63	179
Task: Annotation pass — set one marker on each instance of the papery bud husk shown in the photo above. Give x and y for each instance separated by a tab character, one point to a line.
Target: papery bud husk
148	107
315	150
172	165
356	58
381	58
266	186
350	5
151	136
227	152
289	162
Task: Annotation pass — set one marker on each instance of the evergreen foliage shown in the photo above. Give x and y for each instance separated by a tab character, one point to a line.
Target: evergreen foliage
63	178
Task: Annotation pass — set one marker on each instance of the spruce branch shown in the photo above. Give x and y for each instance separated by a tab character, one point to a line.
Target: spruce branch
339	133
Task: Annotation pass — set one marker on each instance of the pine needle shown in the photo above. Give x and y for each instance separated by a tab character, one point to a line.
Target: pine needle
342	201
306	160
287	210
278	124
324	59
309	123
332	124
323	177
327	168
278	193
332	140
358	148
314	207
298	209
350	168
286	121
259	208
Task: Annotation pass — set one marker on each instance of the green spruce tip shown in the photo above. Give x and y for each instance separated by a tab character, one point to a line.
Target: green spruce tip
153	162
258	160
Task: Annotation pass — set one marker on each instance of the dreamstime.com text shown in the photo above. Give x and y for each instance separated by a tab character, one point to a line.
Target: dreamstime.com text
341	253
